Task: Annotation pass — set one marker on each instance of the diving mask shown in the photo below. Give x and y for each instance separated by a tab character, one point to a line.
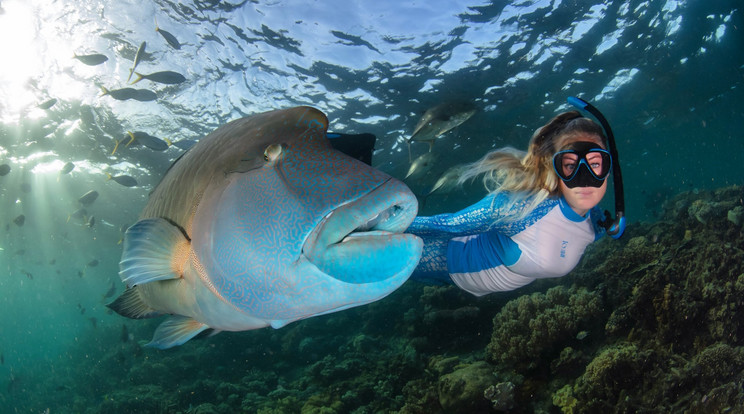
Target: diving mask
582	164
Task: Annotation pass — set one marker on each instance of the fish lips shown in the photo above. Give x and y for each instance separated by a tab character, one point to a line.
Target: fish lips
362	241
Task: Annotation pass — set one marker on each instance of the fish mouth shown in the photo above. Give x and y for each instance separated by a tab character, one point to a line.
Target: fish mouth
362	241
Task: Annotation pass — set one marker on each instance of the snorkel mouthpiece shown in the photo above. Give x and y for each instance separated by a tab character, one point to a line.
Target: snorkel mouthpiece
616	227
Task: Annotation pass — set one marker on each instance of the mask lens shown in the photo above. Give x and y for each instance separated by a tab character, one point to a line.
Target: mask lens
595	162
599	163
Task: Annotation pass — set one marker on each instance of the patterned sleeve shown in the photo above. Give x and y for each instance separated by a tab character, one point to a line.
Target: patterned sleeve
477	218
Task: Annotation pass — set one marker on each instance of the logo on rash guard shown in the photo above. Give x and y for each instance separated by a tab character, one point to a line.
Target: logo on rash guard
564	244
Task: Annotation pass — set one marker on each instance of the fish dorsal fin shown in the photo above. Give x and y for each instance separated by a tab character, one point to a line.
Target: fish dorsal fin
175	331
154	249
131	305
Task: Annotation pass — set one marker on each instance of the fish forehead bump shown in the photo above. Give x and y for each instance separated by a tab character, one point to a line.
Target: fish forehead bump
269	127
214	156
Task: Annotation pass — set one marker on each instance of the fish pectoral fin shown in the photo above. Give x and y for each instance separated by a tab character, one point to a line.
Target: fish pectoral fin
131	305
154	249
175	331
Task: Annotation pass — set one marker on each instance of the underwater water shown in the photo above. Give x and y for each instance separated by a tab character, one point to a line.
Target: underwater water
648	323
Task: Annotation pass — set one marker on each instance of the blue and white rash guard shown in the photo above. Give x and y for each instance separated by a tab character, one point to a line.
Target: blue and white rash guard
482	254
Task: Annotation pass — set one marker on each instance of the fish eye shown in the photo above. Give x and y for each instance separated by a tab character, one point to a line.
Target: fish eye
272	152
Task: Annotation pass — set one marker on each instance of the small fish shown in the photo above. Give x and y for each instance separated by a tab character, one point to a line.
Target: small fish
67	168
82	310
119	94
582	335
20	220
123	94
448	181
422	164
47	104
88	198
154	143
92	263
4	170
124	180
28	274
137	58
167	77
175	44
144	95
78	214
92	59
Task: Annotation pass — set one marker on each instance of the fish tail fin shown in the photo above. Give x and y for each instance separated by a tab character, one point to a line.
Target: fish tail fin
131	71
131	139
131	305
167	141
431	144
109	176
104	90
139	78
115	146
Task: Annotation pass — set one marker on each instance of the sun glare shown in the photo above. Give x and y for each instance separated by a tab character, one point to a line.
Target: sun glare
21	58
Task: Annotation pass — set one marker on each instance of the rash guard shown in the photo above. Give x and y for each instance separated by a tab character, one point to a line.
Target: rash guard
481	254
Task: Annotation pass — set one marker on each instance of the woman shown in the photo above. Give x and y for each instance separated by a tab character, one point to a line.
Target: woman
539	216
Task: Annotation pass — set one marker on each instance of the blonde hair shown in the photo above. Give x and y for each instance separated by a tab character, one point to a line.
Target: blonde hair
529	177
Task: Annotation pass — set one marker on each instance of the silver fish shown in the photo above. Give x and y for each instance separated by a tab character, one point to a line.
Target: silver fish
441	119
137	58
167	77
422	165
175	44
92	59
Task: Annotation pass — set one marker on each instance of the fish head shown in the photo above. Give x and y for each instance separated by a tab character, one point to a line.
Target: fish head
299	229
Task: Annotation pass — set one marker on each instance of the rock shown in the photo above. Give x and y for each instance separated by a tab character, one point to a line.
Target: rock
736	215
501	395
462	390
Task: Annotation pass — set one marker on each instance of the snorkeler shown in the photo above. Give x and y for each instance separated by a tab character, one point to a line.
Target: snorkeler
539	216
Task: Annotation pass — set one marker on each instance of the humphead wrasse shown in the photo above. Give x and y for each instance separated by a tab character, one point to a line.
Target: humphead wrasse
262	223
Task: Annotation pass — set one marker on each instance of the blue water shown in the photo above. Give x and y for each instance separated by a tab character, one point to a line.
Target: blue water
668	75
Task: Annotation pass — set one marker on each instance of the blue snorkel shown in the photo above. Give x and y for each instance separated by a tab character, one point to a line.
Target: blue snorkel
614	227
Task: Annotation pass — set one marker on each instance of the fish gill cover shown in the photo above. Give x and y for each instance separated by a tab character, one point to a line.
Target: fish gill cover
650	322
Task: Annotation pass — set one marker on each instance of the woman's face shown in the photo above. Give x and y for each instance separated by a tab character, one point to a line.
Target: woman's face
582	199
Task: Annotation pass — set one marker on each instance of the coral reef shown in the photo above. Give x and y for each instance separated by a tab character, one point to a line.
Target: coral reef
648	323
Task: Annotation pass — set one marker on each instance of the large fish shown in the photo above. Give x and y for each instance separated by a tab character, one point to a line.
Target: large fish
262	223
440	119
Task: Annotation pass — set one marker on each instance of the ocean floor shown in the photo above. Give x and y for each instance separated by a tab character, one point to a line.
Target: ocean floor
648	323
